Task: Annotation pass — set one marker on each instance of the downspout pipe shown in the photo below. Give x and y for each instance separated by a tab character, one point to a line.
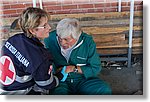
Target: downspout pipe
130	32
34	3
119	6
40	1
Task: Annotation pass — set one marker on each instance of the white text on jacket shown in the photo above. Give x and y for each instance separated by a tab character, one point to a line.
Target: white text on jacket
17	54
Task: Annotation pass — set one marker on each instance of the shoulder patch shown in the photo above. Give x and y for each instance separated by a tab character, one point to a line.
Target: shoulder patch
7	70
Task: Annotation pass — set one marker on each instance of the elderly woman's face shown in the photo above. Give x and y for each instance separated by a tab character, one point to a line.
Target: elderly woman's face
67	42
42	31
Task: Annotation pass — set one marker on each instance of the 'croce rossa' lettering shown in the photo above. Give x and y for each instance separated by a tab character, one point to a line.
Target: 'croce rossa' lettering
17	54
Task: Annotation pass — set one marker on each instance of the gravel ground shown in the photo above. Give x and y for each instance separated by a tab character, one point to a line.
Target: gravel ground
123	80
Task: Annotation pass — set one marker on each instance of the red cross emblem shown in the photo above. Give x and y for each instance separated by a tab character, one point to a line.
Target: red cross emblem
7	70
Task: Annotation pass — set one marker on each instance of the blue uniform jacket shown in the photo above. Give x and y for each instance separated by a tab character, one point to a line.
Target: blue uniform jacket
25	62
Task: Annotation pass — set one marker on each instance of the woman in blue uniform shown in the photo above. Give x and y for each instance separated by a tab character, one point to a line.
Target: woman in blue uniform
25	64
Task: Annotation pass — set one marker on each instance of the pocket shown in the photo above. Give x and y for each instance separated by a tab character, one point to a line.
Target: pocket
81	60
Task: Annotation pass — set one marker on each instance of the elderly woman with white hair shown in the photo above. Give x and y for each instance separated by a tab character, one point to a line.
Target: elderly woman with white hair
75	52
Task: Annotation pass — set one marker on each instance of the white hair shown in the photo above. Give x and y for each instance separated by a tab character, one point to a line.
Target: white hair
67	27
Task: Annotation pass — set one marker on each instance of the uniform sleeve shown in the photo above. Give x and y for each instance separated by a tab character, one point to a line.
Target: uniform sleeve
44	78
93	66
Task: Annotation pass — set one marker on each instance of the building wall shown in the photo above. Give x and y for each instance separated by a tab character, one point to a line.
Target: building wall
11	9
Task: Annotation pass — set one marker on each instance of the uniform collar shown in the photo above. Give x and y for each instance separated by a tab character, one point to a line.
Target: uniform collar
37	41
80	41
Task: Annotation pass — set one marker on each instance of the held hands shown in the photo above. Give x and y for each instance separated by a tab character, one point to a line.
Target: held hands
67	69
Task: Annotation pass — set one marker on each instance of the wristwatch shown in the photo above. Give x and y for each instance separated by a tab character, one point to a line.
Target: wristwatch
75	69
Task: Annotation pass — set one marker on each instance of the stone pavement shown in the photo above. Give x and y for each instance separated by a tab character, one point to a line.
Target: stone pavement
123	80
